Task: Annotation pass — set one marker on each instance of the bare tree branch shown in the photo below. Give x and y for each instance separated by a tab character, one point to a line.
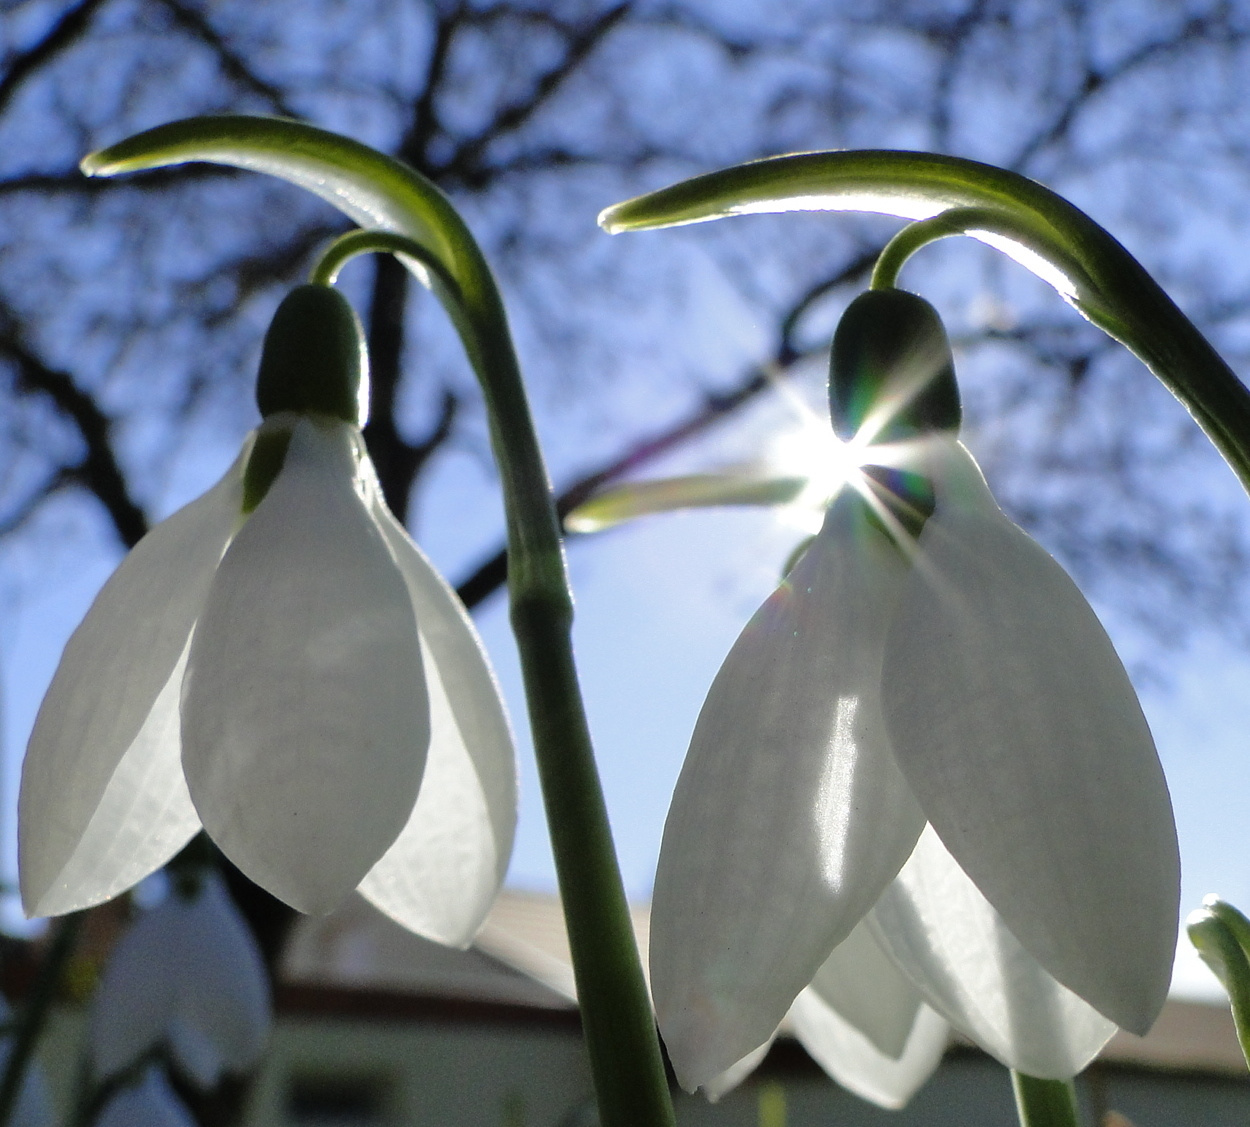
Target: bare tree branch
232	64
98	471
60	37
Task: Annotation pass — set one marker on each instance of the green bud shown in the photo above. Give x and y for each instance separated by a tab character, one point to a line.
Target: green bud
891	356
314	359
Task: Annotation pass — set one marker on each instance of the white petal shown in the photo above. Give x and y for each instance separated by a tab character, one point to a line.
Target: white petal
102	801
790	814
304	713
441	876
151	1103
857	1064
959	952
1021	736
187	974
735	1074
144	817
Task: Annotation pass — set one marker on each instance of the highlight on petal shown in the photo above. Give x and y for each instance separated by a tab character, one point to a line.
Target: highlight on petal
188	975
790	815
441	876
151	1102
102	801
305	721
972	970
1016	726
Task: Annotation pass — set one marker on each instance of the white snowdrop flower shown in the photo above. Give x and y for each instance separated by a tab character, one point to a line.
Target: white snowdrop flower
278	663
924	663
187	977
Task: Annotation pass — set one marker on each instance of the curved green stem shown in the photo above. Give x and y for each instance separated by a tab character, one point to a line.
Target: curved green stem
35	1012
998	228
1043	231
1044	1103
378	192
339	253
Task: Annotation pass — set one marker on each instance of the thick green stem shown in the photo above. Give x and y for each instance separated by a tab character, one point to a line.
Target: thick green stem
625	1060
1044	1103
619	1028
35	1012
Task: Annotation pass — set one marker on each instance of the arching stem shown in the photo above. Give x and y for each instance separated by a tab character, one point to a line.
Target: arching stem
617	1021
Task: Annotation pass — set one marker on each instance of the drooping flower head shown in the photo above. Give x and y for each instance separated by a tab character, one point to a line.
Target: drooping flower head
922	744
278	663
186	978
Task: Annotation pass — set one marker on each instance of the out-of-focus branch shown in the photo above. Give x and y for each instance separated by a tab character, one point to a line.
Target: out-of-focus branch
514	115
1096	80
62	35
72	182
98	471
232	64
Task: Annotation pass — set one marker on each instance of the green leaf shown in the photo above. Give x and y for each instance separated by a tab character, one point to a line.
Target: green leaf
625	502
370	188
1218	931
1040	229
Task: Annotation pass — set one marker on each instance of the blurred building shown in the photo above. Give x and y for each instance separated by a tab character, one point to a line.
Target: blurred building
377	1028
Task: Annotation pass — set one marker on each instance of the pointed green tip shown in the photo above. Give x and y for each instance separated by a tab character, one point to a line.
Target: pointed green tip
609	221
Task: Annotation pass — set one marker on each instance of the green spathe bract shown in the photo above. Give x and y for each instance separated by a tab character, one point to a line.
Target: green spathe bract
890	370
314	358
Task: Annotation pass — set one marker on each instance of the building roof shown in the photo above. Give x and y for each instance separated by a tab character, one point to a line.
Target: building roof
520	962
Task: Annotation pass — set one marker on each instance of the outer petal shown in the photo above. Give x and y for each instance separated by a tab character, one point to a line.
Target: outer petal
970	968
441	875
790	814
1020	734
304	716
103	802
187	974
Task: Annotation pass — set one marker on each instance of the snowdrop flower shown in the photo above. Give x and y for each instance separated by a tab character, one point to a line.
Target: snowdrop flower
925	729
187	977
278	663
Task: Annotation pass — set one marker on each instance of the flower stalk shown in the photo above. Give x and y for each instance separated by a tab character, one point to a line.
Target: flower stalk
616	1011
1044	1103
